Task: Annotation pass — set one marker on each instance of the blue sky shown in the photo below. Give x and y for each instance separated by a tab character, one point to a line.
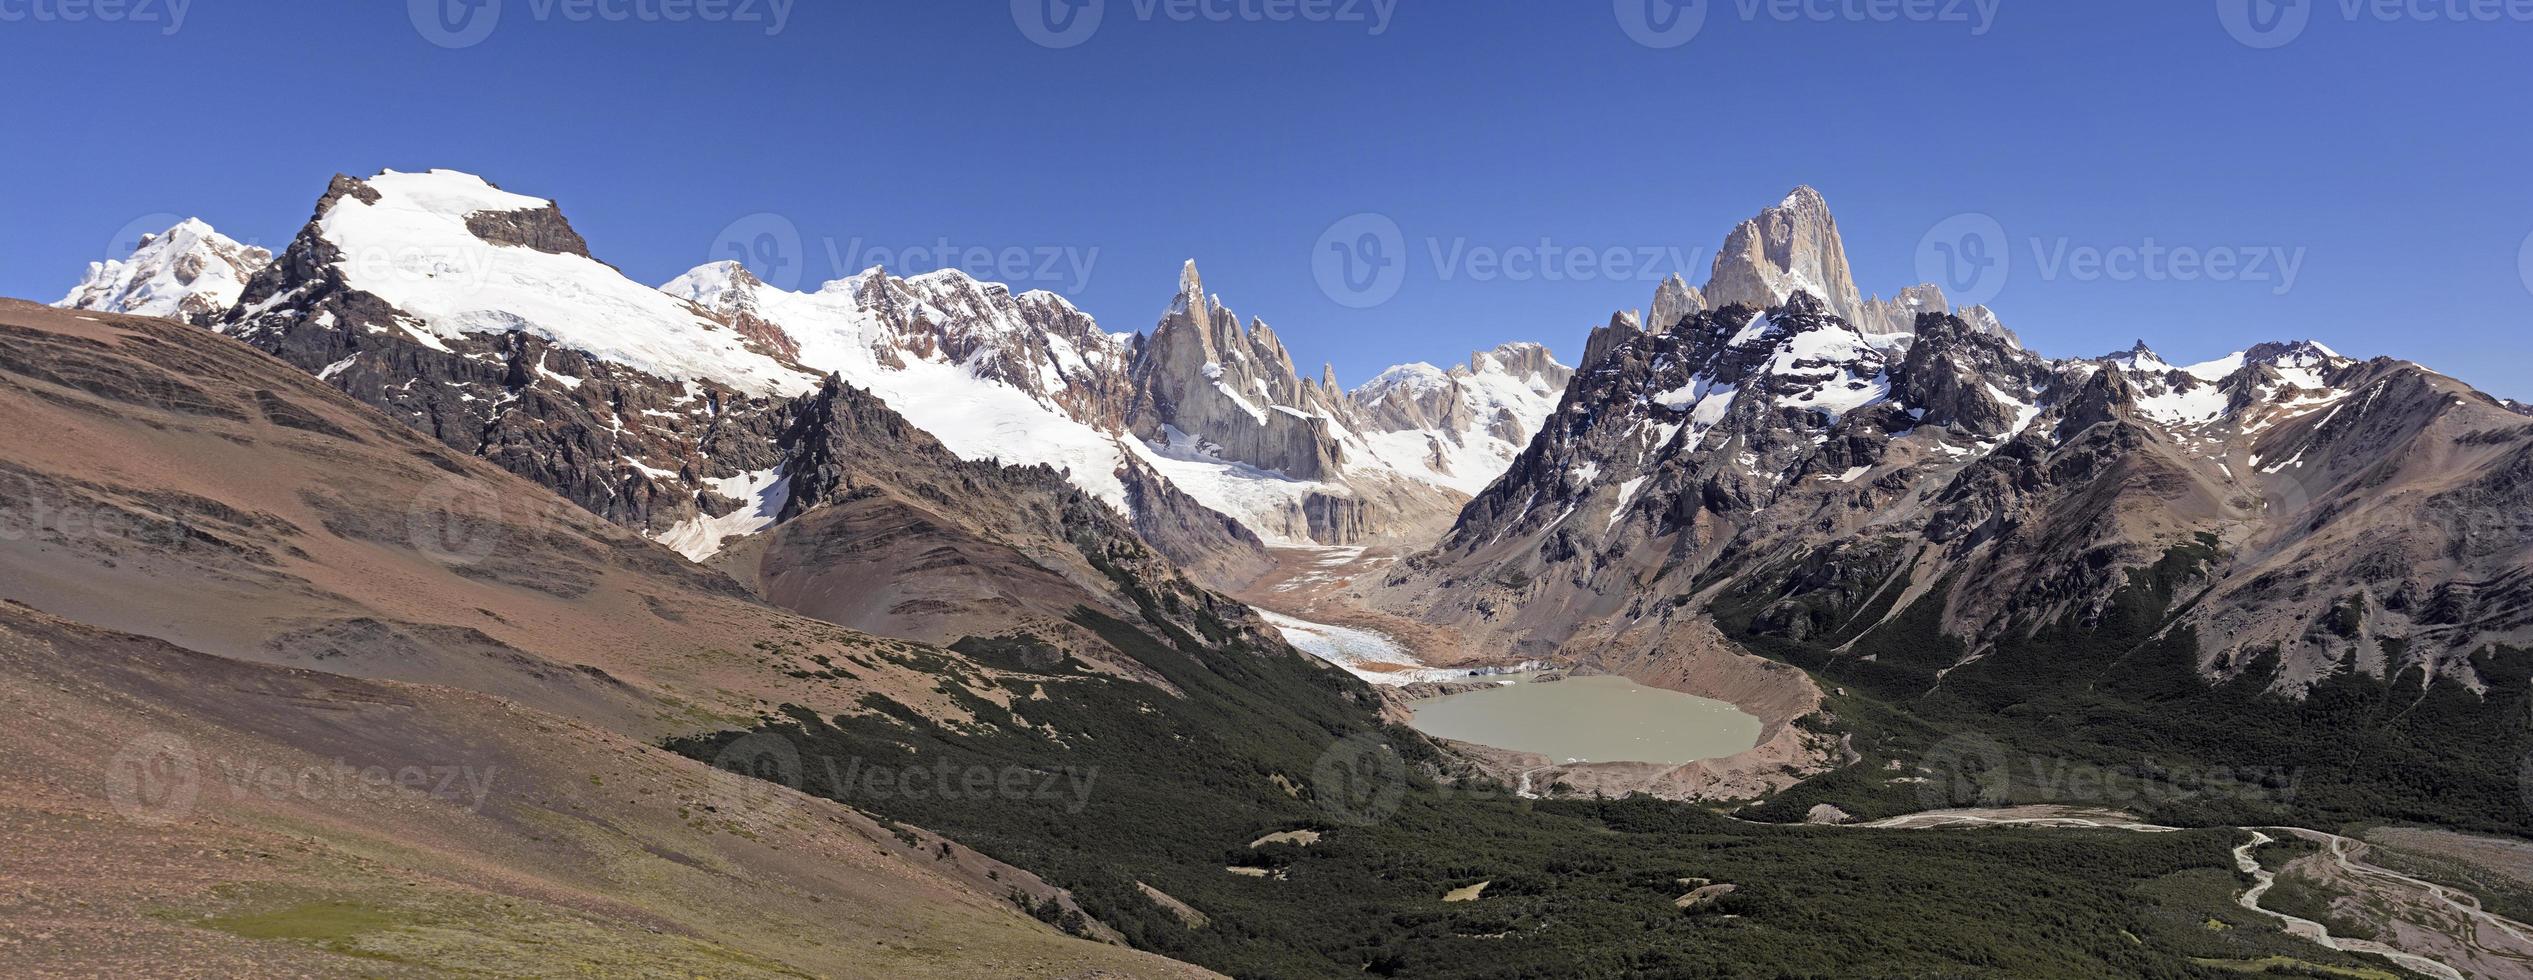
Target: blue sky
2381	158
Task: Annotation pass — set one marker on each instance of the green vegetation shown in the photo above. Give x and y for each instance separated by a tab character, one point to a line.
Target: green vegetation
1173	789
2113	712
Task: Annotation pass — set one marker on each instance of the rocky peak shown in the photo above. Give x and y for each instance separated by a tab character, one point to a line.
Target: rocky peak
1500	393
543	229
1791	247
188	272
1674	300
2293	353
1521	360
1231	391
2140	357
1984	320
1623	325
1897	316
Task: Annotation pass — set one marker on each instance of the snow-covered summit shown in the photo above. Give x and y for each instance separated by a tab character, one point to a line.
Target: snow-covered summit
189	272
440	247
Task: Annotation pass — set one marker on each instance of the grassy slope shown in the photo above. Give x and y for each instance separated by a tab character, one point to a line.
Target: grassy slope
1579	888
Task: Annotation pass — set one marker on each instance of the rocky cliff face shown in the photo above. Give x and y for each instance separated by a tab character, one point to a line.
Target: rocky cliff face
1202	376
480	317
1804	478
880	527
1795	247
1792	247
189	272
639	448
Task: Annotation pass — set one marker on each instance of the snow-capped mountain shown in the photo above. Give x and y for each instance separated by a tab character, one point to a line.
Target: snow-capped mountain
189	272
1807	478
1468	423
1795	247
1213	406
480	316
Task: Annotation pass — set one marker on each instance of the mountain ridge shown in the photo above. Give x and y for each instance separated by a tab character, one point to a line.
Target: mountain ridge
479	315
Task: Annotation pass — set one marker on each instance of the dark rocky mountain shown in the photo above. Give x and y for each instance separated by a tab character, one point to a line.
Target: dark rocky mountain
481	317
1811	480
432	297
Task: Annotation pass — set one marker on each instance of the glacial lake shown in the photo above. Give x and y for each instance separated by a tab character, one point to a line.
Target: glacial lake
1591	719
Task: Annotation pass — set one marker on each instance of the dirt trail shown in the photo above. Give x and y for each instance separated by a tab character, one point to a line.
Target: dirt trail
2445	933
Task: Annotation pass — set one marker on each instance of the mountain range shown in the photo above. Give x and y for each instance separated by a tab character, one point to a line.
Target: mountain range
494	304
436	477
1772	437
